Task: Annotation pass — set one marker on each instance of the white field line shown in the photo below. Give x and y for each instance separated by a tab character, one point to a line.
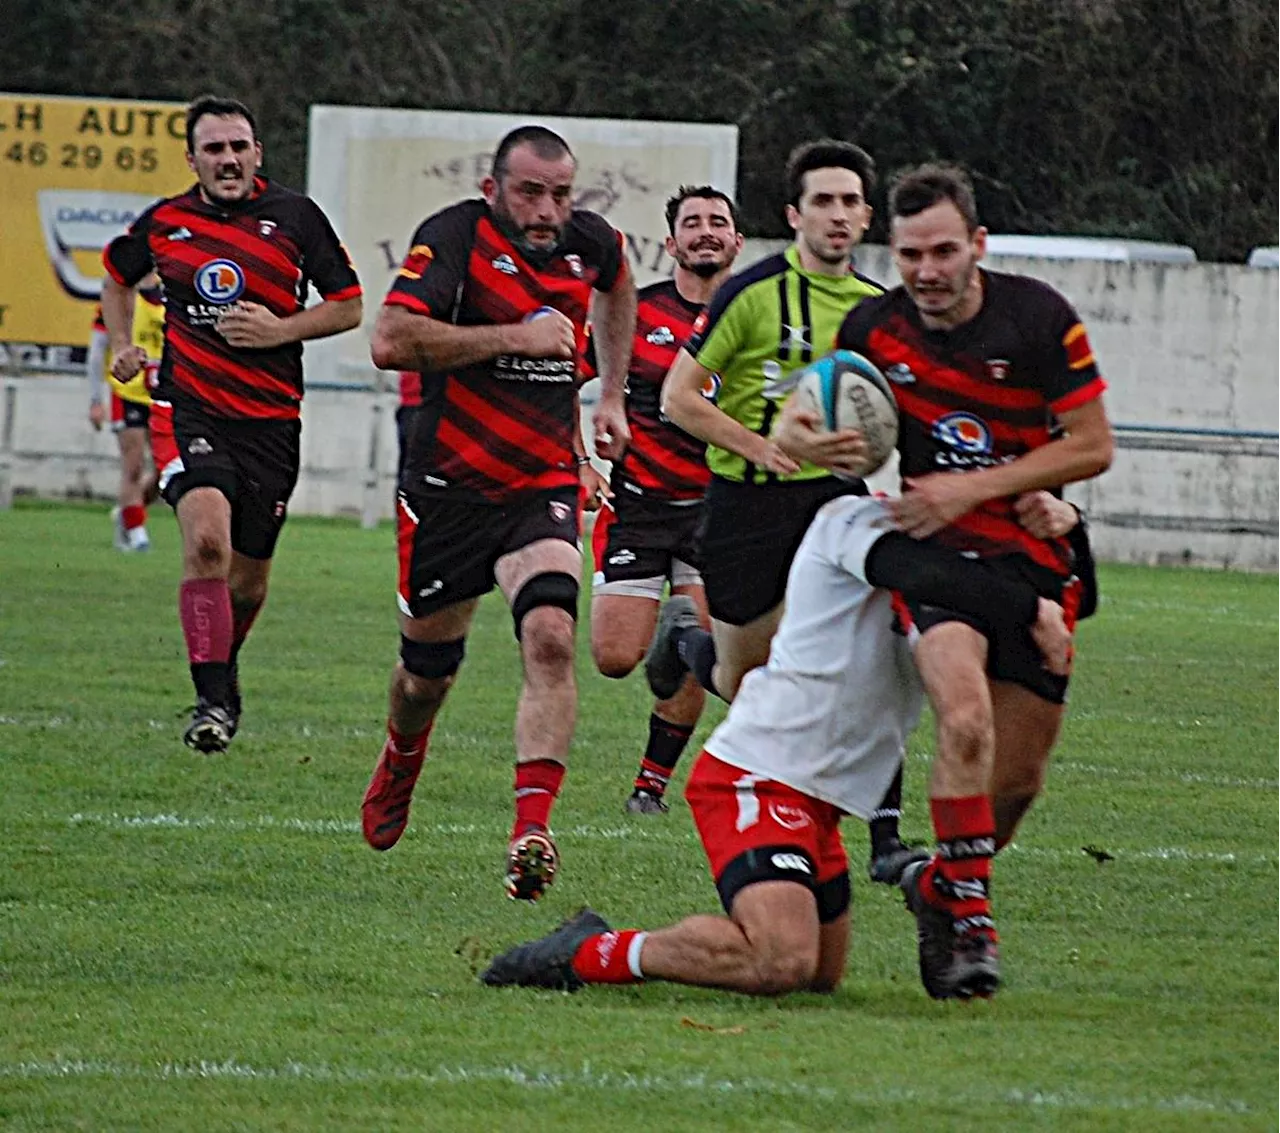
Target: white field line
637	833
585	1077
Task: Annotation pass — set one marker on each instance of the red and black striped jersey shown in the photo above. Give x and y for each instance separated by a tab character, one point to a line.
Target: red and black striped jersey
981	394
268	249
505	425
663	461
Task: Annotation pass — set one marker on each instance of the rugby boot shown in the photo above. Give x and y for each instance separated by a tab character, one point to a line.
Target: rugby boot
645	802
384	813
885	867
210	730
954	964
532	861
663	668
548	961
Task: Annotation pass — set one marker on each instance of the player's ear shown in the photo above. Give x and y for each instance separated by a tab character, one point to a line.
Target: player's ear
793	216
489	189
980	241
669	244
738	241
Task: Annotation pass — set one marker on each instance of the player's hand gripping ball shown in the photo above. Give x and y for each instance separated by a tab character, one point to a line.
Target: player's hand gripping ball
848	392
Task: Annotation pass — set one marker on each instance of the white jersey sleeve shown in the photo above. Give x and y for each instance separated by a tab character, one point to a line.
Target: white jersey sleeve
831	711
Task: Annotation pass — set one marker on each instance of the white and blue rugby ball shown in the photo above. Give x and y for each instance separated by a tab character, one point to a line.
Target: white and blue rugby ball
849	392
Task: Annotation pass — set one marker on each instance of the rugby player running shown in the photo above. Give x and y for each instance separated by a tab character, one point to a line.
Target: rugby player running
644	535
237	255
490	306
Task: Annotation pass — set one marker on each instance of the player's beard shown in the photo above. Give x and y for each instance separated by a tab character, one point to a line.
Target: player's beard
702	269
539	255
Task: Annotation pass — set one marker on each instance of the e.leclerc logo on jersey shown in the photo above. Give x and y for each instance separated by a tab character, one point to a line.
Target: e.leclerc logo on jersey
963	432
220	281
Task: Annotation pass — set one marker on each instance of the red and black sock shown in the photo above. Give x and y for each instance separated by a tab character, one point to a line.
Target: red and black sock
667	742
204	607
537	785
610	957
959	876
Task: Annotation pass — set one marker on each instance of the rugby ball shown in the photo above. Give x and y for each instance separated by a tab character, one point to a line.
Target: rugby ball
848	392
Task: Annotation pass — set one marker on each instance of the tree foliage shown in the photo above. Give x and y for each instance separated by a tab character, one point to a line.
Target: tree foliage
1151	119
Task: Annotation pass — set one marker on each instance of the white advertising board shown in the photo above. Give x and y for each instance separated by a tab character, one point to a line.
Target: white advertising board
378	173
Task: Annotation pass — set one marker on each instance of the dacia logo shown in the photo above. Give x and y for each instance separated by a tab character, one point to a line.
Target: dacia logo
792	862
900	374
433	587
504	264
199	447
183	233
265	228
622	558
660	336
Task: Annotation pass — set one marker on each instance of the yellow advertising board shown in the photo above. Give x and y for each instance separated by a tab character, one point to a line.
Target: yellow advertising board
74	173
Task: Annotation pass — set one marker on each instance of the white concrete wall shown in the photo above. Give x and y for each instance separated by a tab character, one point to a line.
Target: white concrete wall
1190	347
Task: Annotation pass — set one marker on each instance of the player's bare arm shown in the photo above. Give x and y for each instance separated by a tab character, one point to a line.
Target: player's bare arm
1052	637
405	340
613	315
117	316
799	432
255	327
938	498
683	403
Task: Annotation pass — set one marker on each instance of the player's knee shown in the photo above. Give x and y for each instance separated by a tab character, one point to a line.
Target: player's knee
614	658
428	668
780	971
550	590
209	554
966	729
547	641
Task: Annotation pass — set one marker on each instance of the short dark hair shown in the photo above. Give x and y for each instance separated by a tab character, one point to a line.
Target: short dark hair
702	192
547	144
220	108
914	190
827	153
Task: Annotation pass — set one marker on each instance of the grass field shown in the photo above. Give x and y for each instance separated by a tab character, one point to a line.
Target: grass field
190	943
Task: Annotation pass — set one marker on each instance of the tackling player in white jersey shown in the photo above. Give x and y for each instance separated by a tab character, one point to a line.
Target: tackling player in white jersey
815	734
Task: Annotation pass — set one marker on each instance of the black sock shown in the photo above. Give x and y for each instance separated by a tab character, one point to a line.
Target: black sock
697	649
884	819
666	743
212	680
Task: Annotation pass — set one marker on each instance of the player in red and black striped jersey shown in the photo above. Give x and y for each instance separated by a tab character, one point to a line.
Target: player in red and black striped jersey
644	536
237	255
999	396
490	306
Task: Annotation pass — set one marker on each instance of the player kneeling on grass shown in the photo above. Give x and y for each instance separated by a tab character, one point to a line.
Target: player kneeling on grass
815	734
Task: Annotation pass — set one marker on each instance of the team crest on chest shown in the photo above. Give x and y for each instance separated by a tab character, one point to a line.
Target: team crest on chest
998	369
660	336
575	263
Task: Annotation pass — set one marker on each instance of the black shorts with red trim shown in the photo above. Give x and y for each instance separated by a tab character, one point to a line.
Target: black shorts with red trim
449	545
635	537
1012	655
128	414
749	535
252	461
756	829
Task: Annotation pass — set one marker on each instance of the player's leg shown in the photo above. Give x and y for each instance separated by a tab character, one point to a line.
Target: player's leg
540	582
1026	728
622	619
949	894
204	604
444	551
787	928
431	652
673	719
135	480
267	459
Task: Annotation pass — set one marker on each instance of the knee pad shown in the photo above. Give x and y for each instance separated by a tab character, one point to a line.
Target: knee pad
431	660
552	588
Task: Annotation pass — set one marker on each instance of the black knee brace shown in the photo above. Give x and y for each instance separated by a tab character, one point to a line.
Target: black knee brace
551	588
431	660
